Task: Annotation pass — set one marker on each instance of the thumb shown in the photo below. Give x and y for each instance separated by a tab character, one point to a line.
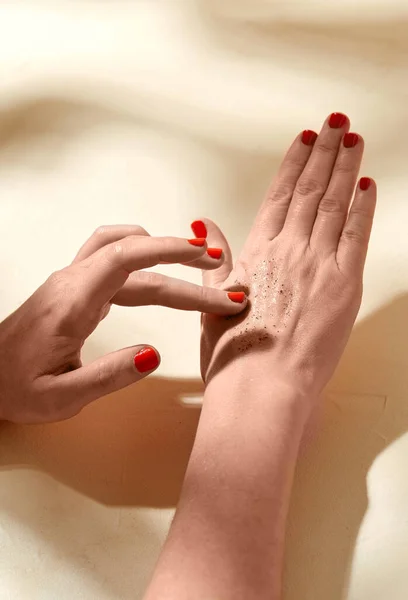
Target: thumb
105	375
216	239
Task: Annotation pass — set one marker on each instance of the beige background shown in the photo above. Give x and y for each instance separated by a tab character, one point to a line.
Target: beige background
156	112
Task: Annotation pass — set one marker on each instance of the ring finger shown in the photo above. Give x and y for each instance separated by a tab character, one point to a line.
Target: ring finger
333	208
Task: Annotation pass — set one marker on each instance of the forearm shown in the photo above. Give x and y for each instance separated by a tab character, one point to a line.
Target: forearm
227	538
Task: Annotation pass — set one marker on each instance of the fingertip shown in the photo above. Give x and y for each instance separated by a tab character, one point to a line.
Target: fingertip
238	297
215	253
146	359
351	139
231	307
337	120
238	302
366	183
208	264
199	228
308	137
212	229
200	242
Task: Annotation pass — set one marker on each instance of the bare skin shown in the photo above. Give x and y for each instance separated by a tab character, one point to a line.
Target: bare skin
302	267
41	377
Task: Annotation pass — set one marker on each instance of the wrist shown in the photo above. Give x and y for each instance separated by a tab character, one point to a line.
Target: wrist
254	380
245	416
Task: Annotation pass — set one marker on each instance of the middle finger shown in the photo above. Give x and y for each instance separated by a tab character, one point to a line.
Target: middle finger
154	288
313	182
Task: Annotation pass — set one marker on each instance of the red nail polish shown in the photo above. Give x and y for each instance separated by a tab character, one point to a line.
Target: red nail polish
146	360
199	229
197	242
365	183
350	140
309	137
214	252
337	120
237	296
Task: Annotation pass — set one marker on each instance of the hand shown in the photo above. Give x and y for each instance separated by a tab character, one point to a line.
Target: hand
302	267
42	377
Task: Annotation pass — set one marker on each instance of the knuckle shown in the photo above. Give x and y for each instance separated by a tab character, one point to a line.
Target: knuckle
307	270
203	295
364	215
355	235
331	204
153	284
325	149
294	162
106	375
281	195
344	168
310	187
101	231
172	246
57	290
351	293
57	278
62	304
165	243
139	230
56	296
169	243
114	252
42	404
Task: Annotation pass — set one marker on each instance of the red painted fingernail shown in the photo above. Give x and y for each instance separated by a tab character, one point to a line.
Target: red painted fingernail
197	242
337	120
237	296
146	360
214	252
365	183
350	140
309	137
199	229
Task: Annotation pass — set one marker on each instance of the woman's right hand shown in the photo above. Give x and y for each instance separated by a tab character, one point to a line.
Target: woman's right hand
41	376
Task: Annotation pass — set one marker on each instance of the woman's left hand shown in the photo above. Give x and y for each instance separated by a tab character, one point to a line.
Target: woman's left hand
302	267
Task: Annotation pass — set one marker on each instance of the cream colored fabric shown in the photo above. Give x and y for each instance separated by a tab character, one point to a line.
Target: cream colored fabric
158	112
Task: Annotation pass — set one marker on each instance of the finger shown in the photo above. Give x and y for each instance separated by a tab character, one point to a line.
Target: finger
103	376
112	233
108	269
334	206
352	249
153	288
212	259
312	184
106	235
272	214
216	240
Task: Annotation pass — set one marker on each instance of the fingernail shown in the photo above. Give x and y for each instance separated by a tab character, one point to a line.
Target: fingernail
350	140
309	137
146	360
214	252
236	296
199	229
365	183
337	120
197	242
